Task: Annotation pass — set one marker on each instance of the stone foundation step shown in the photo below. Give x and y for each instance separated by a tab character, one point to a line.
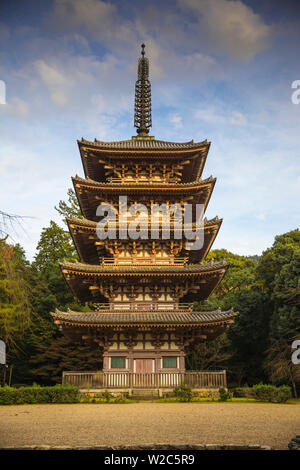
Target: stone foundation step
145	393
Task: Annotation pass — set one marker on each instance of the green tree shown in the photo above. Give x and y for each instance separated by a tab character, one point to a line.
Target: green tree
285	296
50	288
249	335
279	275
278	364
54	245
62	354
14	295
240	275
237	290
209	355
48	352
70	208
273	259
15	305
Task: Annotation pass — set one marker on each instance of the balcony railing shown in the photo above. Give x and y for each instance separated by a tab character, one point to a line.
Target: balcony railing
155	380
144	261
143	180
144	306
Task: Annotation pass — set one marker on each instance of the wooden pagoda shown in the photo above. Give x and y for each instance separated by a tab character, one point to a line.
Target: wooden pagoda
142	290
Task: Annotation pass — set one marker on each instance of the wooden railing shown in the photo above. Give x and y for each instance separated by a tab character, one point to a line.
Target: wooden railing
109	380
145	306
142	180
144	261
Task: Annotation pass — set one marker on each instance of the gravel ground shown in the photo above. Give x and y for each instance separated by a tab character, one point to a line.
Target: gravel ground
141	423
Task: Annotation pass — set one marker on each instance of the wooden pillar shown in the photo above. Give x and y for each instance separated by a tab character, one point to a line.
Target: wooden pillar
130	360
182	360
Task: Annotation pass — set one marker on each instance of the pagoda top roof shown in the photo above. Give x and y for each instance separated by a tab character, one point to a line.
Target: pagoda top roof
146	143
129	318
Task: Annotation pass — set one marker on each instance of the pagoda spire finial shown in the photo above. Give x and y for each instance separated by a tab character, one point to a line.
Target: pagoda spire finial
142	106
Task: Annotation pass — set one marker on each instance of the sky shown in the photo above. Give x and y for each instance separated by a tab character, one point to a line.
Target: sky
220	70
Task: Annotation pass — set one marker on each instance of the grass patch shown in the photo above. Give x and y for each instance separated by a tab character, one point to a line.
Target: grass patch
103	401
293	401
205	400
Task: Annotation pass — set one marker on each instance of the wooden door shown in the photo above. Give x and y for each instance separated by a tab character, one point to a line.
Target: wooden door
143	365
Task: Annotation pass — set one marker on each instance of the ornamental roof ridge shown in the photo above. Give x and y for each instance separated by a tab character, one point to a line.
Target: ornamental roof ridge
142	184
94	268
213	221
179	312
84	221
143	143
142	317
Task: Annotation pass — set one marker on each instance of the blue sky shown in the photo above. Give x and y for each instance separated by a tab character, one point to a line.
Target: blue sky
220	70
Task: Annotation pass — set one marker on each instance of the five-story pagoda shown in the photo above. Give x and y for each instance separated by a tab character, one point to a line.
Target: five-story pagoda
142	288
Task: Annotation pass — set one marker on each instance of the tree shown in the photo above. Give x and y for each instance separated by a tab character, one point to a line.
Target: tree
15	305
14	295
249	335
8	222
278	364
285	296
279	274
54	246
210	355
70	209
273	259
240	275
62	354
48	291
52	290
237	290
231	293
285	324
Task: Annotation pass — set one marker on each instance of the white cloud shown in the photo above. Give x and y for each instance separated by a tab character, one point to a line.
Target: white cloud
78	83
93	15
97	18
59	98
230	26
16	107
238	118
49	74
162	31
176	119
218	113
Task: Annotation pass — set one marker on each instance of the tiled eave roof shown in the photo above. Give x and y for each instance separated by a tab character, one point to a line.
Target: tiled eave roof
87	182
83	232
90	224
84	278
148	318
143	144
143	270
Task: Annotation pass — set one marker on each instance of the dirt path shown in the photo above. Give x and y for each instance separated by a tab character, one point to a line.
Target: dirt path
110	424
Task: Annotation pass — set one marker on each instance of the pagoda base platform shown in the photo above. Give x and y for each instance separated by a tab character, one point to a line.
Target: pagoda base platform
130	382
